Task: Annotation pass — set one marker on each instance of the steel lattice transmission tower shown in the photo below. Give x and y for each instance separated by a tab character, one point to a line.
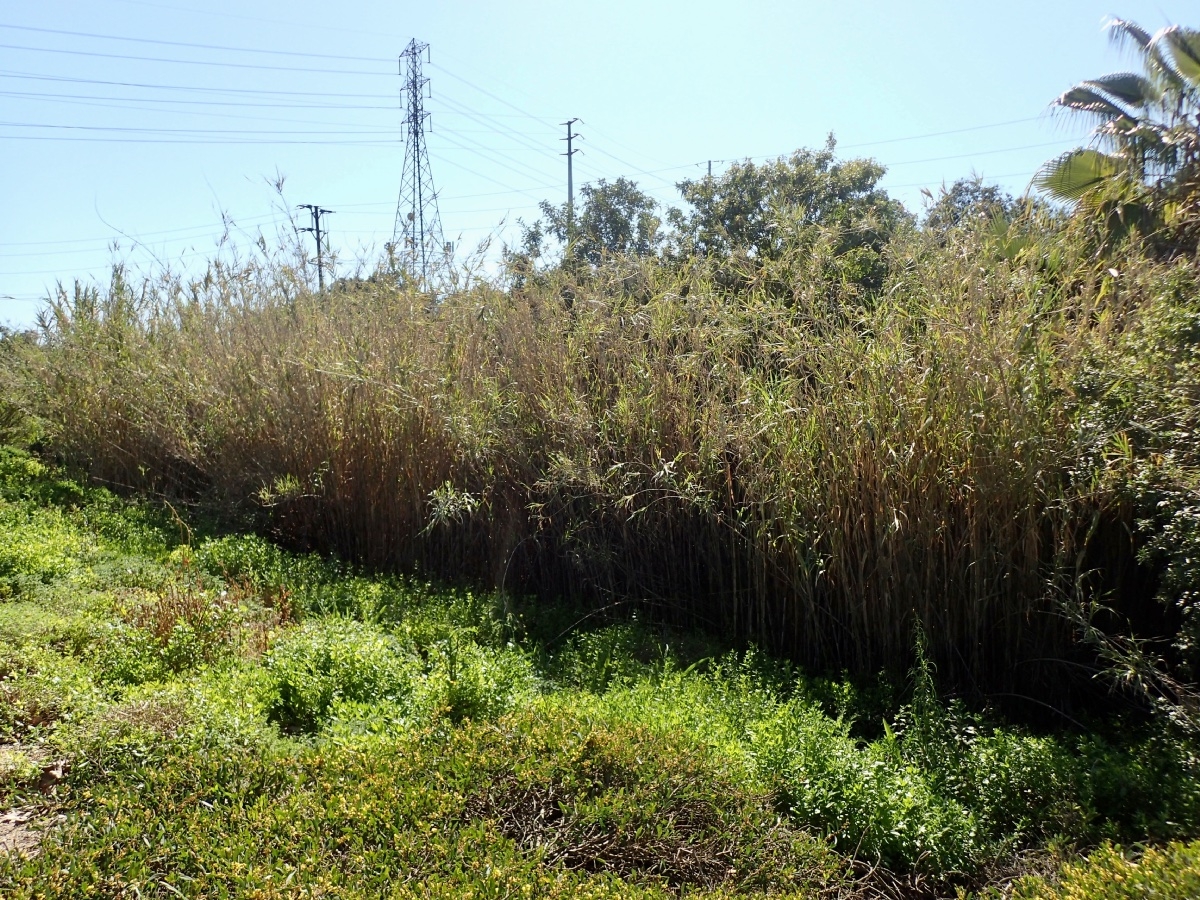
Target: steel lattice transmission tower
417	237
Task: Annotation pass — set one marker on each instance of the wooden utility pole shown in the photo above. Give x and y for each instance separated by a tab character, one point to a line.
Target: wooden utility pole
571	151
315	231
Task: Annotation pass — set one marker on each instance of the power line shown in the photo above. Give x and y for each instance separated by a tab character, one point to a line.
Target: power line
185	62
483	153
483	118
488	93
79	251
135	107
33	76
230	221
522	139
105	99
371	213
1025	174
192	141
617	143
135	40
529	170
124	129
241	92
913	162
518	109
629	165
186	256
292	23
173	101
920	137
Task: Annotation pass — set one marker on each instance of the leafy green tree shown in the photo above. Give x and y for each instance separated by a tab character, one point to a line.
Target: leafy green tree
761	210
612	219
967	201
1146	141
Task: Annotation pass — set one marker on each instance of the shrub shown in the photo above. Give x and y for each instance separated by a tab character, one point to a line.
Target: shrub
593	660
323	662
465	681
1165	873
871	802
39	689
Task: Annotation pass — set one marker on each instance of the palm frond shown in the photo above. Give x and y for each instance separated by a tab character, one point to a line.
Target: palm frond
1082	98
1123	32
1183	48
1127	87
1075	174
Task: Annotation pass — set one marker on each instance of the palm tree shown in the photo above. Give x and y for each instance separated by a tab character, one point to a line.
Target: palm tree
1147	135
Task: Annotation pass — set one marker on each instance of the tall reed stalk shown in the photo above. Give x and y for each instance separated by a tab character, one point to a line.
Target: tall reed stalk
792	465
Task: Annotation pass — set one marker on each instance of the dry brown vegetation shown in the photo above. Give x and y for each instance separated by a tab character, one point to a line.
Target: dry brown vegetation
762	451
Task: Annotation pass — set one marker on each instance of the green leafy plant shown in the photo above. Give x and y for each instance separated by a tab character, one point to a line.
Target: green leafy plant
1113	873
323	662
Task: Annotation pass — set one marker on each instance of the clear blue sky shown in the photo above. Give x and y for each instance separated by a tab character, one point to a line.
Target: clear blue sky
115	132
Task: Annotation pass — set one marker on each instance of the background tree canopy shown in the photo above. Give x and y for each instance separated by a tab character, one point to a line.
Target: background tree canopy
967	201
614	219
763	209
810	206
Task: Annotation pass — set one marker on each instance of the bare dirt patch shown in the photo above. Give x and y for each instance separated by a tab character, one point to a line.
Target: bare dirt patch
20	831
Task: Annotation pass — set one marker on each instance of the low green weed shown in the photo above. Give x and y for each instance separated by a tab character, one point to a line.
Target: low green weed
463	680
26	623
1141	783
37	546
40	689
57	503
870	800
1111	873
540	803
318	586
323	662
185	622
336	667
17	770
593	660
1024	788
941	790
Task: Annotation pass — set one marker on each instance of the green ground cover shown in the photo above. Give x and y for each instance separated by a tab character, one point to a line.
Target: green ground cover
186	713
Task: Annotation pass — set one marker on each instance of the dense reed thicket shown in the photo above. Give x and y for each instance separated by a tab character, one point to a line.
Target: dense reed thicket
758	447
